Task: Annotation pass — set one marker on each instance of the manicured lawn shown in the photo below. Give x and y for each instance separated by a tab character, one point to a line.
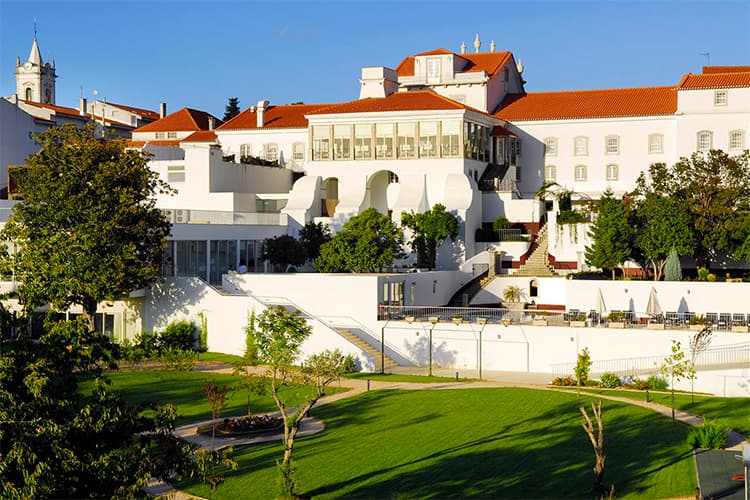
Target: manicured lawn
732	412
219	358
487	443
185	390
395	377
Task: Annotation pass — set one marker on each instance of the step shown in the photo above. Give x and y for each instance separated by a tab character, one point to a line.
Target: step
372	351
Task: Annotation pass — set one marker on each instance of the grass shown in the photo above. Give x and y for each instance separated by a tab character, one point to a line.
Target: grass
729	412
219	358
489	443
185	390
394	377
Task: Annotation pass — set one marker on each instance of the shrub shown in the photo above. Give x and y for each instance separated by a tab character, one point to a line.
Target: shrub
182	360
657	383
203	333
564	381
610	381
708	435
350	364
637	384
178	335
501	223
703	274
147	344
583	366
711	277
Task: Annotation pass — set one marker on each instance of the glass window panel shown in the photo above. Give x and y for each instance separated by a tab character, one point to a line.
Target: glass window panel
655	143
428	139
223	258
342	142
581	146
384	141
407	140
321	142
190	258
362	142
450	145
298	151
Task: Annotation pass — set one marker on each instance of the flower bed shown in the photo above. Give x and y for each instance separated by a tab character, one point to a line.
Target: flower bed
244	426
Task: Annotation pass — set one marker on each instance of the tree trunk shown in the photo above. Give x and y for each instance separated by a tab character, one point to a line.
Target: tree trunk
597	441
89	313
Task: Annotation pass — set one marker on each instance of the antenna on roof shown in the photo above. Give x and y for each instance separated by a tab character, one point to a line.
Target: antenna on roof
708	57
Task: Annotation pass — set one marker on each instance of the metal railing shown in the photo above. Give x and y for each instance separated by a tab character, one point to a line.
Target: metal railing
186	216
449	314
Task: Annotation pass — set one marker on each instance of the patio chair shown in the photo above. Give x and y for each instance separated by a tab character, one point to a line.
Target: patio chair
671	319
725	321
738	319
713	320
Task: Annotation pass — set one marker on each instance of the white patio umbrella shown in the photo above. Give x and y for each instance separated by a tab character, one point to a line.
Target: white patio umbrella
653	308
601	307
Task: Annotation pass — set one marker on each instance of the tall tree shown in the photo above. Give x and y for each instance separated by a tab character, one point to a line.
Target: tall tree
232	109
713	190
661	227
87	229
429	231
368	242
283	251
313	236
611	234
277	338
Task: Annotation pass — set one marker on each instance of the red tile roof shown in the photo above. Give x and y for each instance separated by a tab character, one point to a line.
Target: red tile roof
140	144
418	100
57	109
183	120
497	130
725	69
605	103
715	80
489	62
146	113
284	116
201	136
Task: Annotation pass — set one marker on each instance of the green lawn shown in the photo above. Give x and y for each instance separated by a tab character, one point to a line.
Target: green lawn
185	390
489	443
731	412
219	358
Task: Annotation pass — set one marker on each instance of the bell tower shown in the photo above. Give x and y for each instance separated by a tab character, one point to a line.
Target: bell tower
35	79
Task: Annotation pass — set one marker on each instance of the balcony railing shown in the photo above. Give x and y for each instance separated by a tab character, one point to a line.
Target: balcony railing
183	216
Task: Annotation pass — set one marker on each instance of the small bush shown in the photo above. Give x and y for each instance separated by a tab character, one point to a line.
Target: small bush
182	360
178	335
657	383
708	435
147	344
564	381
703	274
610	381
350	364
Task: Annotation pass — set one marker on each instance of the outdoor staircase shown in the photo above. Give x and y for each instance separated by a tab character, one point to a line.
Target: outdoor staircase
537	263
389	363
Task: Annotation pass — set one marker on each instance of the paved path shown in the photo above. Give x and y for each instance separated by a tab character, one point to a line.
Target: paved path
355	387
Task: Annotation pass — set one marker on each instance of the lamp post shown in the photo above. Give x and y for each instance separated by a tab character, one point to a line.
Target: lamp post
382	346
434	321
482	322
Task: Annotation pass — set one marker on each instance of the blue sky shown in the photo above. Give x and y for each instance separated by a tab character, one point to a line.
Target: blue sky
197	53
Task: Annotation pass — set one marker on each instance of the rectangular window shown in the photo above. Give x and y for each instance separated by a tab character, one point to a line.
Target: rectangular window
428	145
613	145
550	146
550	173
433	70
581	146
720	98
384	141
160	135
362	142
171	135
655	143
613	173
190	258
321	142
247	254
451	146
342	142
580	173
176	173
407	140
737	139
272	152
500	150
223	258
298	151
246	150
705	140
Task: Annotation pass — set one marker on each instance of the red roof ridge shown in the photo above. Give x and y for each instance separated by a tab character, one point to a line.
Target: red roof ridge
611	89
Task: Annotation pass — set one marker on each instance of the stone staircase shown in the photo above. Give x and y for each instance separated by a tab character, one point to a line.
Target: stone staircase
389	363
537	264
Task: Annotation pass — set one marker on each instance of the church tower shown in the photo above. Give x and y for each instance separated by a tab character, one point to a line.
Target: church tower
35	79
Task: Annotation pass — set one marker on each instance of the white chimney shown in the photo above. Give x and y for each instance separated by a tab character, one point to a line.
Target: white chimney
260	112
162	109
211	123
82	107
377	82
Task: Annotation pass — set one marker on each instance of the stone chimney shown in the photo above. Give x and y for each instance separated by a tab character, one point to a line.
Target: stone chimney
82	107
260	112
377	82
211	123
162	109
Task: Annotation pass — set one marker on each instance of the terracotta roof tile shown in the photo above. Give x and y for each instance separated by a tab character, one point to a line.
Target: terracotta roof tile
140	144
715	80
283	116
146	113
489	62
201	136
417	100
604	103
57	109
725	69
183	120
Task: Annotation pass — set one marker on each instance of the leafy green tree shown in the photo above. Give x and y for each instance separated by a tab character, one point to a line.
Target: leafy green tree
277	336
672	269
676	366
430	230
313	236
612	235
583	367
662	227
232	109
368	242
713	190
87	229
283	251
58	442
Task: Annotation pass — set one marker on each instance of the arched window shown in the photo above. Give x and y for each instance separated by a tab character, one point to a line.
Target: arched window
612	144
581	146
246	150
737	139
29	94
550	173
271	152
655	143
705	140
580	173
550	146
613	173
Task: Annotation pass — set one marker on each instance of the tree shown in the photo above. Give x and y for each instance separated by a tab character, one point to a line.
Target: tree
597	441
430	230
698	343
368	242
662	227
611	234
57	441
672	269
676	366
713	190
283	251
583	366
232	109
278	336
313	236
87	229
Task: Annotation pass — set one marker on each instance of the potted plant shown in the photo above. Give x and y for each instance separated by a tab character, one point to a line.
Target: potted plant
577	319
617	319
513	298
539	319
